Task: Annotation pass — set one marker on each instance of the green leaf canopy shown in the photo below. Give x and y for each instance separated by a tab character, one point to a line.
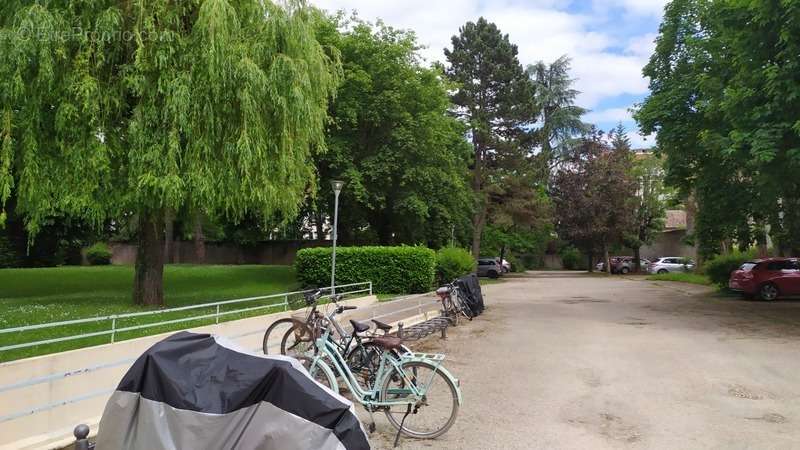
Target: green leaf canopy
133	105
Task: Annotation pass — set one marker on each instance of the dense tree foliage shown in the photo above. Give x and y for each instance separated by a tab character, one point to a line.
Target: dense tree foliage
724	102
391	139
592	192
652	197
111	107
494	98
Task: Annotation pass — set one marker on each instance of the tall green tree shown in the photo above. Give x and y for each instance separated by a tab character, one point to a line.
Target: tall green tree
558	116
494	99
652	197
391	139
112	107
591	194
724	102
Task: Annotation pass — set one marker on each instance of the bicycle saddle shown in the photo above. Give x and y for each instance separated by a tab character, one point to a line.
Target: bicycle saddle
381	326
359	327
443	290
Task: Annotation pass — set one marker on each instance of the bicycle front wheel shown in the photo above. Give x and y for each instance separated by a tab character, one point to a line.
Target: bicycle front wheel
434	413
321	373
274	334
298	340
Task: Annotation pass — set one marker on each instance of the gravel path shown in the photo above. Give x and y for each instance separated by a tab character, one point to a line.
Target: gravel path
571	361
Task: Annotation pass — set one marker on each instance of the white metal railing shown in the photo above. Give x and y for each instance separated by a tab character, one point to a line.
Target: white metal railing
359	288
421	305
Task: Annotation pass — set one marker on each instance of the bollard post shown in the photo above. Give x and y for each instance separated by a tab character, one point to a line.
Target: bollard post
400	330
81	433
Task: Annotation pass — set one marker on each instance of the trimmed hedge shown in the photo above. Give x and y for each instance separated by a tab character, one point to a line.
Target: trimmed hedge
392	270
452	263
719	268
99	254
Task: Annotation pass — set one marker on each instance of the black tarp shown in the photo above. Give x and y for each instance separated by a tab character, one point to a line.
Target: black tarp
470	287
200	392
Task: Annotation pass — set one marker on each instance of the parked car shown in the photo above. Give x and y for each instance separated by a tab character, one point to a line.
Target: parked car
768	279
671	264
601	266
489	267
627	264
505	265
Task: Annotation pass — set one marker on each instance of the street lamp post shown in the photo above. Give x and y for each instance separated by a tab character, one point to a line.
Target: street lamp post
337	188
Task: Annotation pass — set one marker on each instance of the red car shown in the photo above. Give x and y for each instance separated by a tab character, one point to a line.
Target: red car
767	278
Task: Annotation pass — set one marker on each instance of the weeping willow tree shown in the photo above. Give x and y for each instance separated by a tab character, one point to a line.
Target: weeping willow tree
111	107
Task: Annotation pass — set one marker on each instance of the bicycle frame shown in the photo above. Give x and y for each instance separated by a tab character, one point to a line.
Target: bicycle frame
387	367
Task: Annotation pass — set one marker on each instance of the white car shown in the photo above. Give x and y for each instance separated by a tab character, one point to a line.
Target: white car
671	264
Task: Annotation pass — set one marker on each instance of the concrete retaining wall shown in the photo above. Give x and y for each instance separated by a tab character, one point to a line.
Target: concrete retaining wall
53	428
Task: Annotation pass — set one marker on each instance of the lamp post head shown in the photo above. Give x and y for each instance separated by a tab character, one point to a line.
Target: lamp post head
337	186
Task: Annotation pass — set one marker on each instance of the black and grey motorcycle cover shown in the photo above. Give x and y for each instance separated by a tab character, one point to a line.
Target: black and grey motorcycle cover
199	392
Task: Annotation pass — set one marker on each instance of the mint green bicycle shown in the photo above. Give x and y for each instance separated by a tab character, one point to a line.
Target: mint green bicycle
418	395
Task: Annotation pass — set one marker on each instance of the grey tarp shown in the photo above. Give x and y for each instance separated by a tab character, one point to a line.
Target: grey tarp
198	392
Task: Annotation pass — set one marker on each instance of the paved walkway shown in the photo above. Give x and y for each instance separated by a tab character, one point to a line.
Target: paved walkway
571	361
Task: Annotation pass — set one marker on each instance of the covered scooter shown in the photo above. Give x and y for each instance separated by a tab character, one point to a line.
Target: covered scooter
200	392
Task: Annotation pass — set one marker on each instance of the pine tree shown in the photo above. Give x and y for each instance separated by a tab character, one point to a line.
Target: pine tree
494	98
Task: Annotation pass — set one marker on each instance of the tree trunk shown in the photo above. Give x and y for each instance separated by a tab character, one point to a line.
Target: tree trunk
590	257
479	217
606	258
637	259
148	284
478	221
199	239
169	235
320	226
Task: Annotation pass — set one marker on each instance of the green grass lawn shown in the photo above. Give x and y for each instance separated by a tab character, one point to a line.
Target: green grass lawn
693	278
33	296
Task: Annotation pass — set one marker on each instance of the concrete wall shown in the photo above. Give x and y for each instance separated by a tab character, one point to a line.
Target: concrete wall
52	428
271	252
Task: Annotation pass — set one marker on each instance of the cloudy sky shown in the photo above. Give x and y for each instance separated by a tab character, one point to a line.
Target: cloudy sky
609	41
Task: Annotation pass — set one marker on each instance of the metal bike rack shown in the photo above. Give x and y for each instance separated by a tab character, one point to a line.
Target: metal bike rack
424	329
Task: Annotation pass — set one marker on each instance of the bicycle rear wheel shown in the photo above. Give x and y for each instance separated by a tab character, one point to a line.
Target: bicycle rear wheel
437	410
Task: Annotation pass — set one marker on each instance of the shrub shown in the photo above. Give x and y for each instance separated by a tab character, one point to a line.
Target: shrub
453	262
99	254
392	270
719	268
571	258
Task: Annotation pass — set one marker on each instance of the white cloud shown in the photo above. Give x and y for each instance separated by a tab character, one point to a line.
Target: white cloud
652	8
638	141
614	115
642	46
540	31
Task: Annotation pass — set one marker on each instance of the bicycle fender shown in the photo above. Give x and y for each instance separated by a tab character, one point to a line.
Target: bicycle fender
455	381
